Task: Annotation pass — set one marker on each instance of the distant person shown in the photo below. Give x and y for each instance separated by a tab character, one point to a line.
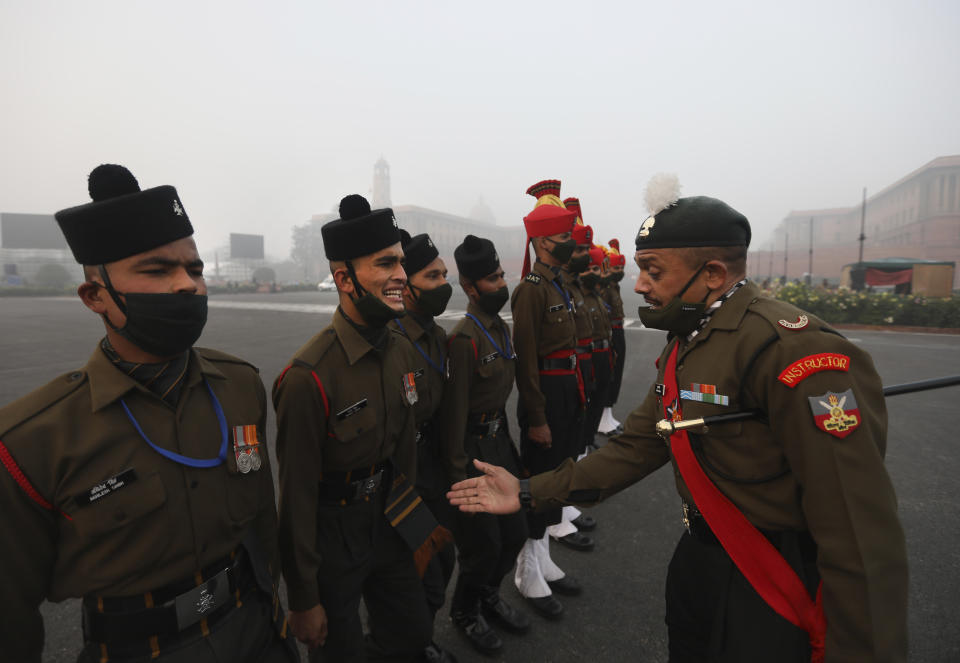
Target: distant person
610	292
142	482
792	545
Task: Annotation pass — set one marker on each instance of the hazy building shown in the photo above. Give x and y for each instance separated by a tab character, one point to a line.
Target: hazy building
27	243
446	230
916	217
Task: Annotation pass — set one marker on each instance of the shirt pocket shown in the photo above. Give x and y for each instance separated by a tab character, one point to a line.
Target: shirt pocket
243	488
355	425
129	525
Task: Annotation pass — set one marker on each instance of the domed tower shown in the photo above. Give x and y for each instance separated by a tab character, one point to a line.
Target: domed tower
381	184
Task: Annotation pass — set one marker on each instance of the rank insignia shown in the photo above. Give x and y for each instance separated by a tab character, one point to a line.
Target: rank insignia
802	321
704	393
533	277
246	448
410	388
836	413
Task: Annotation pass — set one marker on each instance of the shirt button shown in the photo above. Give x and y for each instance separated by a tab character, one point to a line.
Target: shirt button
194	483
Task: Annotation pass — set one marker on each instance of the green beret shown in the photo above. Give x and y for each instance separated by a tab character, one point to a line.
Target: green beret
694	221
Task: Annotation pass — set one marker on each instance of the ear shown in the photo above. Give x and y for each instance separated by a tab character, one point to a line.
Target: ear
92	294
716	273
341	277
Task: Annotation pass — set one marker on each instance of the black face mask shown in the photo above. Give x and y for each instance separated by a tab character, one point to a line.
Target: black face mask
491	302
563	250
616	277
374	311
589	280
578	264
164	324
433	301
677	316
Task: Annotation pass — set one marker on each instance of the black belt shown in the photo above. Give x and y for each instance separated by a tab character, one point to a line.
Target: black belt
697	525
178	608
564	364
486	424
602	344
353	485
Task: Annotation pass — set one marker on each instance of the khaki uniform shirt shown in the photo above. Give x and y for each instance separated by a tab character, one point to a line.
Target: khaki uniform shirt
838	489
611	295
581	313
599	318
370	421
109	516
430	381
542	323
481	380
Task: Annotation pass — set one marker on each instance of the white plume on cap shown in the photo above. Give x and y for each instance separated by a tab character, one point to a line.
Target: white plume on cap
663	190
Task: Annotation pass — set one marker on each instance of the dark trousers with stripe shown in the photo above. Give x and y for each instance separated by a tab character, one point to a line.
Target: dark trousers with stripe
602	371
619	344
363	556
714	614
488	544
563	411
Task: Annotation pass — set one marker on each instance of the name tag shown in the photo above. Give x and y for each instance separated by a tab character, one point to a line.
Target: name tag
660	389
490	357
351	410
104	488
556	307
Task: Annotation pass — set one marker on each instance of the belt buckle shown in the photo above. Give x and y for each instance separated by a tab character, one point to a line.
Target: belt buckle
493	427
194	605
686	515
573	361
369	485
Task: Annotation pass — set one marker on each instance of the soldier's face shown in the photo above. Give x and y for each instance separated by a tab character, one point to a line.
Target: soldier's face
382	275
491	282
172	268
663	274
592	269
432	276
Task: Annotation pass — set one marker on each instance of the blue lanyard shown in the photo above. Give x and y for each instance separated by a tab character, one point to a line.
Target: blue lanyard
563	292
186	460
438	369
506	355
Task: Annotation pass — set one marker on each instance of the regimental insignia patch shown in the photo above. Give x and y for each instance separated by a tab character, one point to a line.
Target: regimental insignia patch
801	322
836	413
704	393
410	388
246	448
533	277
803	368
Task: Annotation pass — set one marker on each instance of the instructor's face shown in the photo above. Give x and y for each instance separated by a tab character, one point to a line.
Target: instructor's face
382	275
663	273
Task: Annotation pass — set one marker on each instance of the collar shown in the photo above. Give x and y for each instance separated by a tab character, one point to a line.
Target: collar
487	320
728	315
545	270
354	344
109	384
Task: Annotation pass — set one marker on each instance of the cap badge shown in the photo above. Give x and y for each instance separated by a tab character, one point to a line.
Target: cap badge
646	226
176	207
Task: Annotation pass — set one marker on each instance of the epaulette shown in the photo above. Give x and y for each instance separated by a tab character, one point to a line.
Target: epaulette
38	400
313	350
785	318
222	357
533	277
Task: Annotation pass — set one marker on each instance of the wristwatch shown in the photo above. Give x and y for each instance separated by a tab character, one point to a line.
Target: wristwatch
526	498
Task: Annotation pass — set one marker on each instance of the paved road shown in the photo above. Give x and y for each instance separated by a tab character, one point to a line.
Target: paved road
620	616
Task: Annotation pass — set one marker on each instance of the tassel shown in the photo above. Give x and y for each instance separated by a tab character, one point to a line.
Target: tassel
439	539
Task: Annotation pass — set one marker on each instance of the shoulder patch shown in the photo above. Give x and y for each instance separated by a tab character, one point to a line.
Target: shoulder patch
313	350
533	277
836	413
38	400
801	322
217	356
803	368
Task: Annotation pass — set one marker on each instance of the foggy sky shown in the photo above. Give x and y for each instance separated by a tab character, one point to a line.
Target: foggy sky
262	114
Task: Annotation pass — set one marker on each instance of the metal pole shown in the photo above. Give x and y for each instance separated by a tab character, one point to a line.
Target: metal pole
810	262
863	218
773	247
786	245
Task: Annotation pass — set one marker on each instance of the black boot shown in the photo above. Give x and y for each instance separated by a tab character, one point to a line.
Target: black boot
434	654
475	629
502	613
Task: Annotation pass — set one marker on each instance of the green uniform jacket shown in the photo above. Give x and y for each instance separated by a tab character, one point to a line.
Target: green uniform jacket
541	324
611	295
581	313
370	421
429	380
481	380
836	488
69	530
599	319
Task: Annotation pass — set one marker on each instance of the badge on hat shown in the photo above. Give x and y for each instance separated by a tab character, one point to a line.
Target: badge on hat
410	388
836	413
246	448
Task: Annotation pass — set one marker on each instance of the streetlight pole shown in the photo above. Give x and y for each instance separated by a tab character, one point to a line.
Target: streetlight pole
810	261
786	248
861	278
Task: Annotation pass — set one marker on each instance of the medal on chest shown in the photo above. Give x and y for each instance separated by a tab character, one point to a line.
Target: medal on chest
246	449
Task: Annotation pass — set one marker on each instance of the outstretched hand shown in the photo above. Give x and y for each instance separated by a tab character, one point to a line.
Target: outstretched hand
496	491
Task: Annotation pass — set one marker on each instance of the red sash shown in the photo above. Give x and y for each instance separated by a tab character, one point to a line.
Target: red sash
759	562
